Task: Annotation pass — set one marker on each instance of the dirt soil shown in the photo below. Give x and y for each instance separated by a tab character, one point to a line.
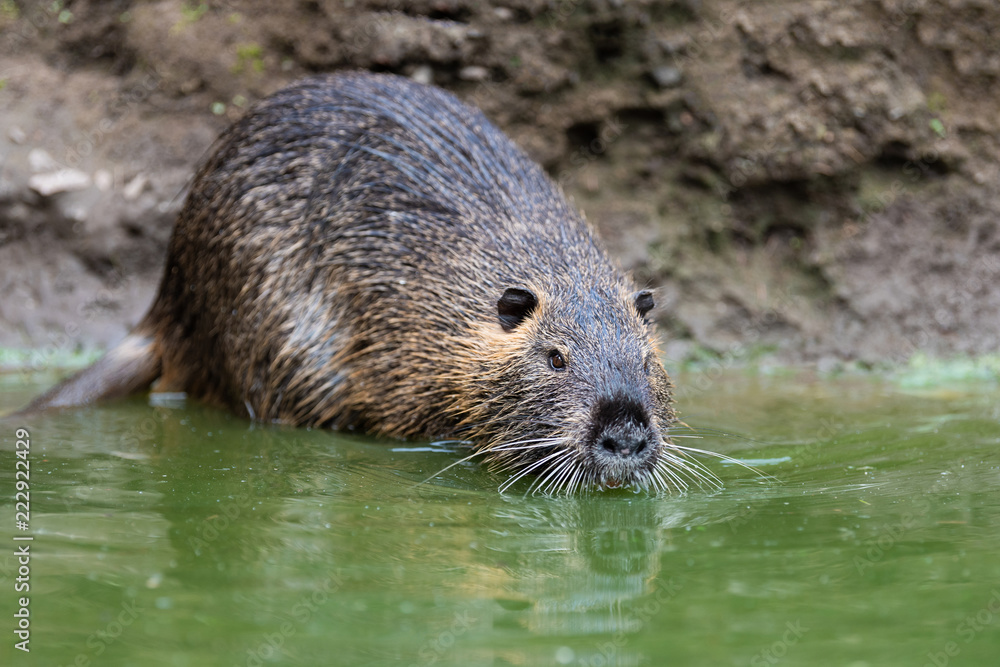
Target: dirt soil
813	180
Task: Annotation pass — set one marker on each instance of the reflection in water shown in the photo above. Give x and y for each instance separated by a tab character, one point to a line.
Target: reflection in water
585	566
245	544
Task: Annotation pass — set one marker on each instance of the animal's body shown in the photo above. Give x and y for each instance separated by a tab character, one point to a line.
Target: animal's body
365	252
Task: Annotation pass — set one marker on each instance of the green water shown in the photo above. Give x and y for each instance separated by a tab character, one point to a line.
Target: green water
184	536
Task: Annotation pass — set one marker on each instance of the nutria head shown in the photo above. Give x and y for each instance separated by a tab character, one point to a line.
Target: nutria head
572	391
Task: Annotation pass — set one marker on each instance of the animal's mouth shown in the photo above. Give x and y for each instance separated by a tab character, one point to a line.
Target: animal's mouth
622	442
642	461
554	466
621	472
624	466
562	469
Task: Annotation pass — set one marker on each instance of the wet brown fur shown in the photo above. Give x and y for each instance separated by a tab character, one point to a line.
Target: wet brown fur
339	260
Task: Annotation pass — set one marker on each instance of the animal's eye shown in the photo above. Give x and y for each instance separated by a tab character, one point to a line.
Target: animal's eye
556	360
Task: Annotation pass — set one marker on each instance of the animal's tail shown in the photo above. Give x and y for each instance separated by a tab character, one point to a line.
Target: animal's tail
130	366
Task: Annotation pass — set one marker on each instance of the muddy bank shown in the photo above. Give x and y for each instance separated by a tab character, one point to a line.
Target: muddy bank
812	180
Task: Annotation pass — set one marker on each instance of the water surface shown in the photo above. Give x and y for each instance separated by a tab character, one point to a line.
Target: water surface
180	535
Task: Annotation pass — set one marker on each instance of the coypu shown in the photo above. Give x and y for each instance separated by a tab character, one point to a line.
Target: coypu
361	251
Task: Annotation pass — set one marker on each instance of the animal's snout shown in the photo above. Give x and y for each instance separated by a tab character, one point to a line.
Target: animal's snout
624	440
621	428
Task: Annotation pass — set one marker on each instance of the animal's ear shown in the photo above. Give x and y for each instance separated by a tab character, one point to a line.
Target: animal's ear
514	306
643	301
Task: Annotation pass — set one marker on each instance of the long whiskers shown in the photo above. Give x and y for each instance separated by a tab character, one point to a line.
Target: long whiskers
669	468
554	472
722	457
701	431
527	444
691	468
524	471
561	469
451	465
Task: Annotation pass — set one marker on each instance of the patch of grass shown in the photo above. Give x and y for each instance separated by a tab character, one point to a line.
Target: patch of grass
249	58
9	11
937	103
938	127
925	371
754	357
921	372
17	360
190	13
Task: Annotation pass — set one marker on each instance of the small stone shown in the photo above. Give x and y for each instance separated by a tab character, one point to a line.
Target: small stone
77	212
103	180
17	135
667	76
423	74
503	13
473	73
671	46
135	187
829	365
39	160
55	182
167	399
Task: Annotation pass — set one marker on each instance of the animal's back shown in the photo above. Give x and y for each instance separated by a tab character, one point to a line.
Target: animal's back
340	239
361	251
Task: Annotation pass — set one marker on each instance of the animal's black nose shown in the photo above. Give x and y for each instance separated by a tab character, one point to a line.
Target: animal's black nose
624	444
621	430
